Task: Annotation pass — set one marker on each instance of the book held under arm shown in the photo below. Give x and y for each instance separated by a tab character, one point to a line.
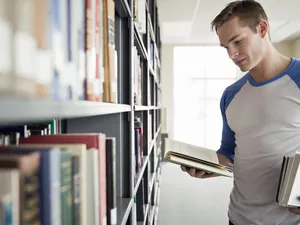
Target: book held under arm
289	182
194	157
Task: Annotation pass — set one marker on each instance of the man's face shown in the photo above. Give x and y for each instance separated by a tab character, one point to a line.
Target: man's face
244	46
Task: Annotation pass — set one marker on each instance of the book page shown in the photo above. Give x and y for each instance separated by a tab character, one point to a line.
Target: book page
199	166
191	150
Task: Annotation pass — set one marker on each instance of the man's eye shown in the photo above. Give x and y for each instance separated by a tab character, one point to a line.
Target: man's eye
238	42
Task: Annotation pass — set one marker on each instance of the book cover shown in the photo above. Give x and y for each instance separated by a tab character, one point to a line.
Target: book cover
195	157
289	182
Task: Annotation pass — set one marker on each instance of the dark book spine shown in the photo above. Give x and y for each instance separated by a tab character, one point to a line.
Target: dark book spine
140	202
114	178
111	181
66	188
45	188
76	189
137	152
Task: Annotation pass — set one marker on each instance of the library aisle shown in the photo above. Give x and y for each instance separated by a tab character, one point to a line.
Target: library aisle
187	200
80	123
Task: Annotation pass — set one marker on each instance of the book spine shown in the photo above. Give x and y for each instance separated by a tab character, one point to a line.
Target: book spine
66	188
56	46
24	47
45	188
111	52
43	57
97	83
111	181
81	53
6	45
6	216
30	207
114	179
101	48
102	179
90	50
55	178
93	187
76	190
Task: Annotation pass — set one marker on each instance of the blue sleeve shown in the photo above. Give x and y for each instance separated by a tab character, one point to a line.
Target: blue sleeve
227	147
228	137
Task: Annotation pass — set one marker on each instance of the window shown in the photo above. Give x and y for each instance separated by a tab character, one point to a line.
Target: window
201	74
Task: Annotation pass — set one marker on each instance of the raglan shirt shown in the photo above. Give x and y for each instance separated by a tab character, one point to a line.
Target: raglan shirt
261	124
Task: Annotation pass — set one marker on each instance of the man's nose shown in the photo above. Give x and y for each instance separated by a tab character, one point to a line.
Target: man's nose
233	53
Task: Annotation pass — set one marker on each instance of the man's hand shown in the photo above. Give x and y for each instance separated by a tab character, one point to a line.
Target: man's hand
202	174
197	173
295	210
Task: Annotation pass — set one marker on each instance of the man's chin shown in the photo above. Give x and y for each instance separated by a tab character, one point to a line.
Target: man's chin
244	68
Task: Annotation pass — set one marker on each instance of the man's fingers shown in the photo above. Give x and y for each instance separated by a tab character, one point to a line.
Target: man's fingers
192	172
199	174
208	175
295	210
183	168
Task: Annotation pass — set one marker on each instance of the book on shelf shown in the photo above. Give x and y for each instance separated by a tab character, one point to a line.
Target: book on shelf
140	15
96	143
21	170
77	170
194	157
288	189
59	49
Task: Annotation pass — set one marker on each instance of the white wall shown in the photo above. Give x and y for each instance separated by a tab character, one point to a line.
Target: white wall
183	199
284	47
296	49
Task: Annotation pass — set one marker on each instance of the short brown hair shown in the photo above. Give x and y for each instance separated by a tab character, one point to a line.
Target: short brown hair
250	13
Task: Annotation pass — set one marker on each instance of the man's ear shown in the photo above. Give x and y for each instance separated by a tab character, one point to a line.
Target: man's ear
263	28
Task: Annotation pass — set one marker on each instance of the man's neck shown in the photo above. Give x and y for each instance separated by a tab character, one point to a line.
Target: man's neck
272	64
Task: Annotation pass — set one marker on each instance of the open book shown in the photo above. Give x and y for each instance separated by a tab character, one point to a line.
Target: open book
194	157
289	182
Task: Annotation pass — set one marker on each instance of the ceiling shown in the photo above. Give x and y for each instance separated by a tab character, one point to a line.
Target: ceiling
188	21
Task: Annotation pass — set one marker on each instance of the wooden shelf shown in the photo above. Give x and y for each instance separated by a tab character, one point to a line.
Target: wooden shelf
16	110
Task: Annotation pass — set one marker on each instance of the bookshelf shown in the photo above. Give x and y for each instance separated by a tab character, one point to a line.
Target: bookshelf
136	106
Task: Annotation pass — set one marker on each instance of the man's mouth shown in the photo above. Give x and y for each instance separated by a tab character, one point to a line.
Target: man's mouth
240	61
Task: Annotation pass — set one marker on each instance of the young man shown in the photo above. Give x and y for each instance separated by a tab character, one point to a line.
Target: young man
261	116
